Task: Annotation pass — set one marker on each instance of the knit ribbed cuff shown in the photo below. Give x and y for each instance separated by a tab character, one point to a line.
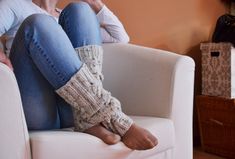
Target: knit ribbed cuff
90	51
120	125
116	120
123	124
79	94
91	55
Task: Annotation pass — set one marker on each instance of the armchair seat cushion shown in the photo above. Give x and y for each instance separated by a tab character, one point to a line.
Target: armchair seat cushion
68	144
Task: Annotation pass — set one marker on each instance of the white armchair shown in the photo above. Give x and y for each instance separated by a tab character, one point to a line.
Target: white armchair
155	87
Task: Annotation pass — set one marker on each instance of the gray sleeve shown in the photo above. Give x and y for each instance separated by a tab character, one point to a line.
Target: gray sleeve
7	17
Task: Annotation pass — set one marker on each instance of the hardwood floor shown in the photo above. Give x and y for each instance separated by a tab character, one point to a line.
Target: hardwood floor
199	154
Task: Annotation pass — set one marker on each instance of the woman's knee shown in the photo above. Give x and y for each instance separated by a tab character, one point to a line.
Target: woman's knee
77	10
78	7
39	21
80	13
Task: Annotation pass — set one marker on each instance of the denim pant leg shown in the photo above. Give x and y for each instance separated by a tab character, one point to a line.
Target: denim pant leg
80	24
82	27
44	60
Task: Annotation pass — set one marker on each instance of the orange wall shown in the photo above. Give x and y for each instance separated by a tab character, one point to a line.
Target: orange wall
171	25
175	25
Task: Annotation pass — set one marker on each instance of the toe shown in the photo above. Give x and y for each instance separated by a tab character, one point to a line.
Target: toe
112	139
153	139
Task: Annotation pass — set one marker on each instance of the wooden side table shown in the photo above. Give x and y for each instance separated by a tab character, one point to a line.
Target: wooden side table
217	125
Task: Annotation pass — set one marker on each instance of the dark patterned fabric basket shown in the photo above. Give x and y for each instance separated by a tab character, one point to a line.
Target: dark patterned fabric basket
218	69
217	125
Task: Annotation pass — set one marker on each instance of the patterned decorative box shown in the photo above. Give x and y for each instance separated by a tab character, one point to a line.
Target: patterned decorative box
218	69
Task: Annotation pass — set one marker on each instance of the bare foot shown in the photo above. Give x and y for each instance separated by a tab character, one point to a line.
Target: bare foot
107	136
137	138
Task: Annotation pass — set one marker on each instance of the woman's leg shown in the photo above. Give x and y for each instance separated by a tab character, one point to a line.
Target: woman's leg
38	53
82	31
43	42
78	17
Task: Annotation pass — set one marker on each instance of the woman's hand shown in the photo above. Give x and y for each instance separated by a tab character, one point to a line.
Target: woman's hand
96	5
5	60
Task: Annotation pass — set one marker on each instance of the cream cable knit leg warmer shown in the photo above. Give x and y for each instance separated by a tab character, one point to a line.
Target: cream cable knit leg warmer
92	56
93	104
81	93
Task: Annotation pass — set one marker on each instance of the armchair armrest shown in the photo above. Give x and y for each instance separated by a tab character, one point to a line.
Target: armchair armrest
13	132
153	82
148	81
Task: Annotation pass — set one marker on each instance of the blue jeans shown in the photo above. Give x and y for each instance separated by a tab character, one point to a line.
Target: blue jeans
44	59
